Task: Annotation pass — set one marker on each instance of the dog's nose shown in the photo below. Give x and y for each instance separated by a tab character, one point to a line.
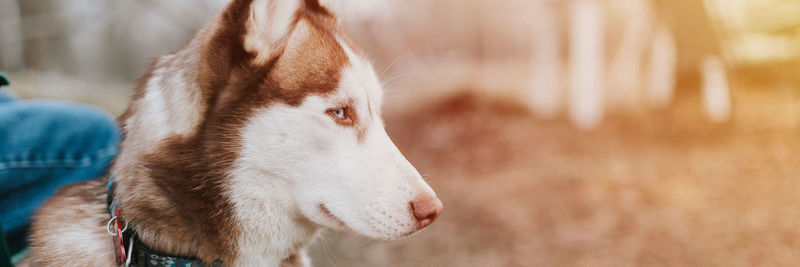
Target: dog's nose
426	208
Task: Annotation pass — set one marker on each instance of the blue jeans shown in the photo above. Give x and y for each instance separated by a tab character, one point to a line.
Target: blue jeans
45	145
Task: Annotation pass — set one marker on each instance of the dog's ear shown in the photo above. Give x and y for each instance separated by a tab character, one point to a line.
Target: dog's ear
267	26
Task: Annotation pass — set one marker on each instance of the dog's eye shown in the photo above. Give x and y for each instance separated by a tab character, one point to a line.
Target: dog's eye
342	115
339	112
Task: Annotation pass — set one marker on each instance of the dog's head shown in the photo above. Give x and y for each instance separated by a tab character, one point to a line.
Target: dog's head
321	132
282	113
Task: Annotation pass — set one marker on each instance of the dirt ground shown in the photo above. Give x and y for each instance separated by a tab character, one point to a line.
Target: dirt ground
662	188
654	188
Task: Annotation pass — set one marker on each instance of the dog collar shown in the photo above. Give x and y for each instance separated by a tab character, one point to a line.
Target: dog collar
130	251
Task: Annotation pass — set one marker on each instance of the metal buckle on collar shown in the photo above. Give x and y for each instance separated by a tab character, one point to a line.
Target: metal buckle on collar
112	232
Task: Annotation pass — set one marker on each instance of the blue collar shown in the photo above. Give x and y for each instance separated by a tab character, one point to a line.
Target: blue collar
130	250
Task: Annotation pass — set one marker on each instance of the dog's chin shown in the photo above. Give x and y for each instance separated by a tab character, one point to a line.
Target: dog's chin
329	220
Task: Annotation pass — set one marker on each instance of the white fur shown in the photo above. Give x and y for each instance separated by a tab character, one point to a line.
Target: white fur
268	24
171	104
154	109
97	249
71	242
297	159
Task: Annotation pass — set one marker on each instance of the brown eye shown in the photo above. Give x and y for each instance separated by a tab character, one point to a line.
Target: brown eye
339	112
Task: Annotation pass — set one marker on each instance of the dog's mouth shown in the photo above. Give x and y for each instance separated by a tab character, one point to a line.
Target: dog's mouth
325	211
344	227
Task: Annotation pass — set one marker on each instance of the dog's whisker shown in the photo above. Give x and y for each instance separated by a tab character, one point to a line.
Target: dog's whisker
387	82
397	59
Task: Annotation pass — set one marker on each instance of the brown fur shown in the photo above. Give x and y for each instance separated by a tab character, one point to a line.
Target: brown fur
74	207
173	194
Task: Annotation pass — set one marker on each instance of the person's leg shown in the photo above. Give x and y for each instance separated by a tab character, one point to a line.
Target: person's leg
5	96
45	145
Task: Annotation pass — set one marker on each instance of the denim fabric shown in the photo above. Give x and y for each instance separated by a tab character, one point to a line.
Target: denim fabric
5	96
45	145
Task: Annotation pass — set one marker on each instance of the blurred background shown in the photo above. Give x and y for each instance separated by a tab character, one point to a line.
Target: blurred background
557	132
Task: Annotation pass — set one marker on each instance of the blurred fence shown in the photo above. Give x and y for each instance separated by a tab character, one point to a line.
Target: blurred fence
95	39
584	58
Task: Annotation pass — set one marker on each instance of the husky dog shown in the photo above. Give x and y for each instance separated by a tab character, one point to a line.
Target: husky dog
239	147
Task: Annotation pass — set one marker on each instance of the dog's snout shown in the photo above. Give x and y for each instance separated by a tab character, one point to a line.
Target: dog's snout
426	209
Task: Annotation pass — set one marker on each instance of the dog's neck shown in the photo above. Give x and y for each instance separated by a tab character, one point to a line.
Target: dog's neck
174	176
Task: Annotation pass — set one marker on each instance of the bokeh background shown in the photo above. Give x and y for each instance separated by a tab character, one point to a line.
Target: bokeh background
557	132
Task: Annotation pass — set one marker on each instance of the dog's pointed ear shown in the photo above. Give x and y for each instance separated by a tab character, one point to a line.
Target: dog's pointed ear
267	26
